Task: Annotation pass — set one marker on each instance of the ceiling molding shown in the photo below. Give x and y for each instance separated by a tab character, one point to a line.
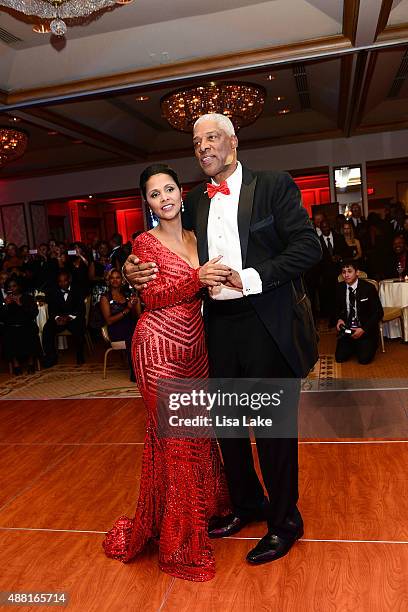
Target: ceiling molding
381	127
383	18
133	112
346	71
351	10
396	32
372	62
81	167
89	135
355	98
203	65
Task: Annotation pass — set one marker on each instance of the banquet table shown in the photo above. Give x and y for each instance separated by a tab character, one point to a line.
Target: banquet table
395	293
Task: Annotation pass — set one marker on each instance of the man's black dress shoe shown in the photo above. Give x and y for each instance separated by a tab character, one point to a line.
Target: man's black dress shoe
272	547
223	526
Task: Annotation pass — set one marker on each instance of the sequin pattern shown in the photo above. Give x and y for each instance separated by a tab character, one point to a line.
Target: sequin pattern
182	483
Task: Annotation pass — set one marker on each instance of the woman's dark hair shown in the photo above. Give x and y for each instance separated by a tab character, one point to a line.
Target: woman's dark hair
156	169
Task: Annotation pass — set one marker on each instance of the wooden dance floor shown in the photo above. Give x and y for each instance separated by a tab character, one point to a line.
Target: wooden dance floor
69	468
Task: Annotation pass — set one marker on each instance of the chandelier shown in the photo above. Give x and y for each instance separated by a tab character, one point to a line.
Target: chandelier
55	11
13	144
241	102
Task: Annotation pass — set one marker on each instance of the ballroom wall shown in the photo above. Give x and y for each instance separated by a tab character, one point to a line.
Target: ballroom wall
308	155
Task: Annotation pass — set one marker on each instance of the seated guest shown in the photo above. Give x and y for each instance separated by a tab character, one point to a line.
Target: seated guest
66	310
334	249
398	262
352	242
359	312
20	338
12	258
120	313
97	276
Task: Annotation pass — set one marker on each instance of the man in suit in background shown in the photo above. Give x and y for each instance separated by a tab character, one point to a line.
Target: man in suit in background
66	310
334	249
259	322
357	219
359	312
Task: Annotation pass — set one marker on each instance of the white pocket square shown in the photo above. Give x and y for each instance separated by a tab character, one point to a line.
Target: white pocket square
363	299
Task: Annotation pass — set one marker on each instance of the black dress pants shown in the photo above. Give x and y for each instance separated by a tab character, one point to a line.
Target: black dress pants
364	348
51	329
239	346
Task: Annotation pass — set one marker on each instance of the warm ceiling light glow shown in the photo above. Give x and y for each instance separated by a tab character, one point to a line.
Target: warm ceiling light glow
90	197
284	111
241	102
279	98
142	98
14	119
13	143
41	28
270	77
78	141
52	133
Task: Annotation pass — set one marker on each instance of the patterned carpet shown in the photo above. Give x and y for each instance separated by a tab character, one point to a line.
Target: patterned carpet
65	381
389	369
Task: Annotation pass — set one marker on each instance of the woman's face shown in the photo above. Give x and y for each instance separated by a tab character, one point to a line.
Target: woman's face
163	196
11	250
347	230
13	287
115	280
103	250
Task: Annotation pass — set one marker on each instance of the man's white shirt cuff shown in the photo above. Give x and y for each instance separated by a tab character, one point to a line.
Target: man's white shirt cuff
251	281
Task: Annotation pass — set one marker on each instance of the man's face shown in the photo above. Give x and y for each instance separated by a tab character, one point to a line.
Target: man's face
63	281
318	218
355	211
42	250
3	278
398	245
349	273
325	227
213	148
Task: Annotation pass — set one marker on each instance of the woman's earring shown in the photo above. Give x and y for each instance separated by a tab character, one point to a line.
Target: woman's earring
182	206
153	217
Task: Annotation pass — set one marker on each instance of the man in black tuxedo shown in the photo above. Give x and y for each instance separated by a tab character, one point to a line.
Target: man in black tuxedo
357	219
334	249
66	310
259	322
359	310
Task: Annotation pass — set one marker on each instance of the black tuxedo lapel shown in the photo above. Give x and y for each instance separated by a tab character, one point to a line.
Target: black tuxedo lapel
203	209
245	205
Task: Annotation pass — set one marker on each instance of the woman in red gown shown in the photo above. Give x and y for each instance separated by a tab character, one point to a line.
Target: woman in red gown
182	483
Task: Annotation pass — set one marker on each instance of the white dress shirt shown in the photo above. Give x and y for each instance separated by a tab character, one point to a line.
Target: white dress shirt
354	287
223	239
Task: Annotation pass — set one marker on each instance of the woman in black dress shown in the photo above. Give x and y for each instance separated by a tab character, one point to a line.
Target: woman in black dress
120	312
18	315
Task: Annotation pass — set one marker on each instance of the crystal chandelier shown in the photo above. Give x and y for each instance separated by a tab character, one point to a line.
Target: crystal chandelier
13	143
241	102
55	11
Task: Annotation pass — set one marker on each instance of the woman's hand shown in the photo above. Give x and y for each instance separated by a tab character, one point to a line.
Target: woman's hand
213	273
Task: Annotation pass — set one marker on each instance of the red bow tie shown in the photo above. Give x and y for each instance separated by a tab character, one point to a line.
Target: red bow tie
214	189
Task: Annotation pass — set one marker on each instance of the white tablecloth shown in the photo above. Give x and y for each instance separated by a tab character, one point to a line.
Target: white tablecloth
395	294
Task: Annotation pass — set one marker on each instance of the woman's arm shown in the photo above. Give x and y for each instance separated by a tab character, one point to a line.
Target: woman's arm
106	312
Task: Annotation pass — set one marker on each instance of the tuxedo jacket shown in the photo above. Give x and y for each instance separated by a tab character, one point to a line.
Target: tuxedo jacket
279	242
73	305
340	248
369	308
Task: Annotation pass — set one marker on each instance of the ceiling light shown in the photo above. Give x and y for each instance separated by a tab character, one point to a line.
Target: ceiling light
14	119
270	77
284	111
142	98
13	144
52	133
279	98
241	102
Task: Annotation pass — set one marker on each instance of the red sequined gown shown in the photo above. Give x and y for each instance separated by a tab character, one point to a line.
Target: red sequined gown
182	484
